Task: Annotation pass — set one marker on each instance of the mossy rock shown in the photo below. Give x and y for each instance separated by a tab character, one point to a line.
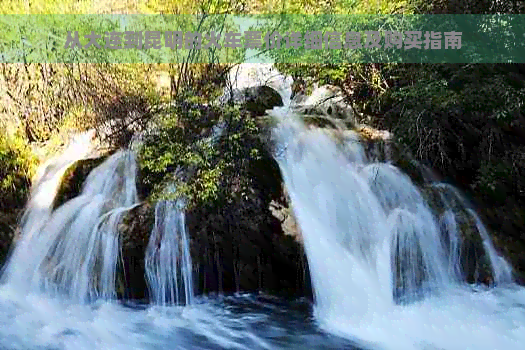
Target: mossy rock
318	121
376	150
475	261
403	160
136	226
73	179
134	231
434	200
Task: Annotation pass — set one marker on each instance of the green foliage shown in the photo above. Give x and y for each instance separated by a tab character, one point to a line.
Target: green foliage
17	164
501	178
493	180
44	103
432	92
45	7
180	153
329	6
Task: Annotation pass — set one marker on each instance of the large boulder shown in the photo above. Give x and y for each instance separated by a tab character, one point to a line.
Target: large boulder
261	98
250	243
256	99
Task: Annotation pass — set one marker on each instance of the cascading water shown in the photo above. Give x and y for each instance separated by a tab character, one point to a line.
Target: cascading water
248	75
47	182
75	251
40	205
500	269
168	260
382	269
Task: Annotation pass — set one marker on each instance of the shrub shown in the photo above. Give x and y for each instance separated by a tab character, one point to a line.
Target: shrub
181	152
17	164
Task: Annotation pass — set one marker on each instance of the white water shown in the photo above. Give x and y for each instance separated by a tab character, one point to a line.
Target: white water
74	251
386	271
169	270
247	75
358	223
58	287
48	180
501	269
168	261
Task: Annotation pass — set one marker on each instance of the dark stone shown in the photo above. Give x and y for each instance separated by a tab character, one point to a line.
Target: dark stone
8	227
73	179
235	246
135	231
242	245
507	225
474	259
261	98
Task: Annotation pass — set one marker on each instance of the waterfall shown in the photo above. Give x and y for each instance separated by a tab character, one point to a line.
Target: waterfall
393	263
500	269
74	252
386	267
168	261
247	75
43	191
48	180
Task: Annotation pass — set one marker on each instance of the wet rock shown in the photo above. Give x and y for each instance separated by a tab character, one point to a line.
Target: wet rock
378	143
475	262
286	217
507	225
434	200
322	121
238	247
8	228
136	227
256	99
135	230
404	161
73	179
408	274
261	98
249	244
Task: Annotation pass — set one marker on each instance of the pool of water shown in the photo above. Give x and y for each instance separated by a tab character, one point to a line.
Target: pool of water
227	322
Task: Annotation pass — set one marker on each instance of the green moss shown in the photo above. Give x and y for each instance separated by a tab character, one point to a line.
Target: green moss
17	165
73	179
